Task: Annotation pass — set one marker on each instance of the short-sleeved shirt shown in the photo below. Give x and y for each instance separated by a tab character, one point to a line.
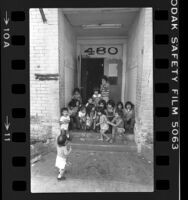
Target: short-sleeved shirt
62	151
129	114
65	122
81	114
117	120
110	114
105	90
103	120
73	111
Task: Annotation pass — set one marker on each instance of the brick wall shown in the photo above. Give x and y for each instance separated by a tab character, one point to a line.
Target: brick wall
44	69
140	71
147	76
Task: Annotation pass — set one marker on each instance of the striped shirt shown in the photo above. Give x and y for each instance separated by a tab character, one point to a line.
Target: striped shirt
105	90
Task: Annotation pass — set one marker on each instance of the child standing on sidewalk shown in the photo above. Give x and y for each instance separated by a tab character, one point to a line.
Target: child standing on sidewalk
62	153
103	125
64	121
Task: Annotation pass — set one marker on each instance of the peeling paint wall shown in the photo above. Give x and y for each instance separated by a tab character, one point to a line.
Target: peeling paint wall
44	70
67	59
139	72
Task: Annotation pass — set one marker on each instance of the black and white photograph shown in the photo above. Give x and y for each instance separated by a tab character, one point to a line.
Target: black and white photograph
91	100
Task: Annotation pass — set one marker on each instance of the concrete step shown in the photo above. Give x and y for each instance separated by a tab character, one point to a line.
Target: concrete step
103	147
88	140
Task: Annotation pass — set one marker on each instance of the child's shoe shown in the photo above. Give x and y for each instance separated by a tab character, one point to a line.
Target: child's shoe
59	177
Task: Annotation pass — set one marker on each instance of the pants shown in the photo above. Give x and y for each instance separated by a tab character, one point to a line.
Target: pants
73	123
129	125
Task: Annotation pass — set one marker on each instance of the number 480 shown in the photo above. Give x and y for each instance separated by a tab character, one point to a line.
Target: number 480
102	51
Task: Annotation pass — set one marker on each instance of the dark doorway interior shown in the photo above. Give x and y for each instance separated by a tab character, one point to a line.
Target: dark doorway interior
91	74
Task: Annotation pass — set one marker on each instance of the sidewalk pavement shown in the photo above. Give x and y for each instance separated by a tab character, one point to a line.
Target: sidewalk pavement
94	170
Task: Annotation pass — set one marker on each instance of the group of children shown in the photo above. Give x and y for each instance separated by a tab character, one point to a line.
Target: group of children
99	114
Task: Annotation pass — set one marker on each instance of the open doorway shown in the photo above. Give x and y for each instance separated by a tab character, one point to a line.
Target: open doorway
92	70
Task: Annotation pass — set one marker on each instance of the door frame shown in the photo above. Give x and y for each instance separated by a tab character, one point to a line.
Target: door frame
89	58
112	40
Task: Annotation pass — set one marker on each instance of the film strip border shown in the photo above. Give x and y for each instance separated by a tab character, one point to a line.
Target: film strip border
17	132
15	136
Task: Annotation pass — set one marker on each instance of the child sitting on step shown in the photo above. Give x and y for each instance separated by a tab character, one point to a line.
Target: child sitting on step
96	97
129	117
82	117
103	124
117	126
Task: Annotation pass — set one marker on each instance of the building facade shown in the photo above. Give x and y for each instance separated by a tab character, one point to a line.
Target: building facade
56	53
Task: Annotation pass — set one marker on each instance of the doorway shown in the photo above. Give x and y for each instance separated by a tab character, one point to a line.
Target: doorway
92	71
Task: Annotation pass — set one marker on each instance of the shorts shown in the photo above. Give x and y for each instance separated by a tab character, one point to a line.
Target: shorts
120	130
60	163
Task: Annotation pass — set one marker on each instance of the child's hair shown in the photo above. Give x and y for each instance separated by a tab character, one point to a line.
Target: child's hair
101	110
72	103
76	90
96	89
119	103
103	102
119	113
76	100
105	78
82	108
111	102
64	109
90	98
61	140
129	103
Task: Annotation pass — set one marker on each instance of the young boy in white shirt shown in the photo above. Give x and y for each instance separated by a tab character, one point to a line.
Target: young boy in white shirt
64	122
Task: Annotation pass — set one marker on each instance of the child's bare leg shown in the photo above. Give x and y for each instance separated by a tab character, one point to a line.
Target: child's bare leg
68	135
113	133
104	135
61	173
94	124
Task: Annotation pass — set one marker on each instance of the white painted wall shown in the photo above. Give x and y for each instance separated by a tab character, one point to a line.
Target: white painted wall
139	74
135	44
44	95
67	59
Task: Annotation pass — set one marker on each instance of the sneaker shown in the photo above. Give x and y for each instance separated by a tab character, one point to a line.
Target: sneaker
111	141
59	177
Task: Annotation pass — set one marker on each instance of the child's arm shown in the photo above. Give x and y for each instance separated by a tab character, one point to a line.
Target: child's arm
98	123
111	123
117	124
61	121
70	149
67	152
95	115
